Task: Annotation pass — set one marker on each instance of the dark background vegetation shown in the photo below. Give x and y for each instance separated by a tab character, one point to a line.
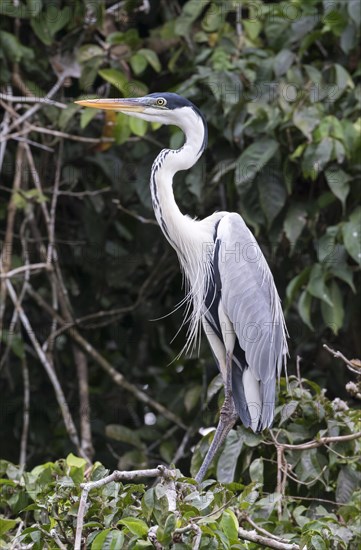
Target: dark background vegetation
279	83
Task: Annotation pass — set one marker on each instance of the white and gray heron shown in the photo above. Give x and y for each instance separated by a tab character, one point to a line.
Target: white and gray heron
230	288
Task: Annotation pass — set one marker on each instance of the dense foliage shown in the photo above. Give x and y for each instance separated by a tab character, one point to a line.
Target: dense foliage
316	504
92	277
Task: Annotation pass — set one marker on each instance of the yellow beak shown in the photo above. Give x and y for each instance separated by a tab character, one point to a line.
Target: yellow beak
123	105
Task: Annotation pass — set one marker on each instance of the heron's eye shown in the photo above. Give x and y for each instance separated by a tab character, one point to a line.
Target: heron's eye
161	102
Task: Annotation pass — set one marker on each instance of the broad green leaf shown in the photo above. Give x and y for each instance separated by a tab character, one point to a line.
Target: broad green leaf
296	284
252	160
227	462
135	525
317	285
294	223
323	153
354	11
215	385
256	470
75	461
335	21
138	63
229	525
333	315
306	120
343	78
304	308
352	236
87	52
13	49
327	249
122	433
272	193
152	58
192	397
87	116
190	11
343	272
283	62
338	180
6	525
109	539
116	78
121	129
138	126
348	481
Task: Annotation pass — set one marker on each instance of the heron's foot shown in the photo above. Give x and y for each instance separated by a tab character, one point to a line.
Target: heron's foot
227	420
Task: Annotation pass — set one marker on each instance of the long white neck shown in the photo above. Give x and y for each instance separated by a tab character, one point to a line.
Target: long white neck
176	226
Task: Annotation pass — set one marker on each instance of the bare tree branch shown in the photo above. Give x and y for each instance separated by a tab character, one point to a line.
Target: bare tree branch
340	355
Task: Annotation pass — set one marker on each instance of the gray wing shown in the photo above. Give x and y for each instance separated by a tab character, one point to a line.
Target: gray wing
250	300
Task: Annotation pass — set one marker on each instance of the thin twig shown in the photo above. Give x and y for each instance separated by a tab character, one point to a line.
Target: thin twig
21	99
26	414
319	442
24	269
261	529
340	355
81	364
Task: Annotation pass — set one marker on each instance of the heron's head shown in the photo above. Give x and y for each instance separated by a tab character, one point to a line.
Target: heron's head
164	108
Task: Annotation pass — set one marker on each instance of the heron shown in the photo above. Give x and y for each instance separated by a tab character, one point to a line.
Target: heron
230	290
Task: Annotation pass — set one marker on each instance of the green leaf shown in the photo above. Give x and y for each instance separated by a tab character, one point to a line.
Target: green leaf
124	434
343	272
6	525
121	129
327	249
348	481
138	63
335	21
87	52
272	193
333	315
306	120
151	58
304	308
351	235
227	462
138	126
109	539
283	62
294	223
73	460
229	525
192	397
296	284
338	180
317	285
116	78
87	116
354	11
256	470
252	160
13	49
135	525
214	386
190	11
323	153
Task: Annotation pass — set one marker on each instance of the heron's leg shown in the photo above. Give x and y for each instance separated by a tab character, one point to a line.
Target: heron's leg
227	420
